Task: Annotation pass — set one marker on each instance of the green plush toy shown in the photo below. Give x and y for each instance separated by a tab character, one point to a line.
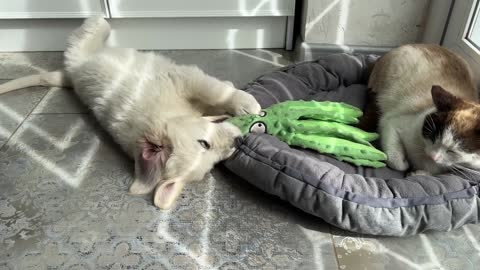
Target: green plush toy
321	126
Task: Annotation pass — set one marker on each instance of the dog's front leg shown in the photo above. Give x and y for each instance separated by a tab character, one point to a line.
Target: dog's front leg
221	95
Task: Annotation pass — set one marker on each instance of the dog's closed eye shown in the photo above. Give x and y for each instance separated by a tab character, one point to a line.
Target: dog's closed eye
204	144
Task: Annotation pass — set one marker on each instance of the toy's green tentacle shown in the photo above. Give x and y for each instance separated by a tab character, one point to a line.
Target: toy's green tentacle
331	129
362	162
324	110
335	146
321	126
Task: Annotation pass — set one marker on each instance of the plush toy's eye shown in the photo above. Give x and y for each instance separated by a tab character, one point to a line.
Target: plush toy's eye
258	127
263	113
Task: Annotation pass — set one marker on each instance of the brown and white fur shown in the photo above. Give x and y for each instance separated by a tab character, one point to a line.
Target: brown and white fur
430	118
153	108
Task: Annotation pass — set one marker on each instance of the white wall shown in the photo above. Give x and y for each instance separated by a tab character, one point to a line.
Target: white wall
382	23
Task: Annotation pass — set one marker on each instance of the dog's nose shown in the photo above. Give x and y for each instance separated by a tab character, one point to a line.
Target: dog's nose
237	141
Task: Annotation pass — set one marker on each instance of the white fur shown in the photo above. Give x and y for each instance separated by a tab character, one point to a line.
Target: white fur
422	155
409	149
139	96
447	152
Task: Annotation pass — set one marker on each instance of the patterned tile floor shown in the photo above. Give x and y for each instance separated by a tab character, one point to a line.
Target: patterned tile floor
64	201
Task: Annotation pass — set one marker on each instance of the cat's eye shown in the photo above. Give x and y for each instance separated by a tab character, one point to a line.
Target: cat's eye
204	144
449	151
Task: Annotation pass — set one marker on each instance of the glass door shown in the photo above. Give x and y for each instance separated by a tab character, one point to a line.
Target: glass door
463	32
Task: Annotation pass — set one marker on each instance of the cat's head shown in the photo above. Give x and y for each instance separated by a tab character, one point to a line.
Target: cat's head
452	133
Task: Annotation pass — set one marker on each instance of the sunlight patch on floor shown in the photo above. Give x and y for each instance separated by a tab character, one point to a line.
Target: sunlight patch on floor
258	58
28	126
72	179
204	237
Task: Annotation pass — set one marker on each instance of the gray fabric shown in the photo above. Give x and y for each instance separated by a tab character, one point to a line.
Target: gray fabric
359	199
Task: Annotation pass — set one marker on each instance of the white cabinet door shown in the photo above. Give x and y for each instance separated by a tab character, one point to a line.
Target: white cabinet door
200	8
26	9
198	33
151	24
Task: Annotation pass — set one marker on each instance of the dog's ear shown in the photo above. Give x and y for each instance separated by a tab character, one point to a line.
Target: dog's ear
217	118
150	160
167	193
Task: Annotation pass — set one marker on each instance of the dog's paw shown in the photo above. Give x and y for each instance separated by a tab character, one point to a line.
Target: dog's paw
229	83
243	103
419	172
397	161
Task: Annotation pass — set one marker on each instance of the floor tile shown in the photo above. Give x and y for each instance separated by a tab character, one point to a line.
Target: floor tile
15	106
60	100
263	232
238	66
459	249
15	65
64	203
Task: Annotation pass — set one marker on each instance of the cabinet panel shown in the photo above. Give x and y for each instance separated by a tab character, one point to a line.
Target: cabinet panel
150	33
198	33
27	9
200	8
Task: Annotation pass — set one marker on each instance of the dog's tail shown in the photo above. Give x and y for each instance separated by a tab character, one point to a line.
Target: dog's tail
54	78
85	41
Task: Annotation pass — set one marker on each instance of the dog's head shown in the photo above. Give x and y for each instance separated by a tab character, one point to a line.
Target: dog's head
184	149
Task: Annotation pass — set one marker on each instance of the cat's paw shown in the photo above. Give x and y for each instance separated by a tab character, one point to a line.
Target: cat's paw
397	161
243	103
419	172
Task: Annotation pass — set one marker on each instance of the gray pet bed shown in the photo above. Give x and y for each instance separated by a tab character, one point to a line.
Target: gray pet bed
358	199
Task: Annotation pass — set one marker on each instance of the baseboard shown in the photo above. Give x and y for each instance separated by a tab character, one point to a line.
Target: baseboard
305	51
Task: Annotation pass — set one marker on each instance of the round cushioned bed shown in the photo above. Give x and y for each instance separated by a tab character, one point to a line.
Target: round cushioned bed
359	199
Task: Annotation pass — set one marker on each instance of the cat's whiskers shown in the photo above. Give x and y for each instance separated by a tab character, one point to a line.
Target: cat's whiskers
467	173
434	125
459	172
467	169
431	126
428	130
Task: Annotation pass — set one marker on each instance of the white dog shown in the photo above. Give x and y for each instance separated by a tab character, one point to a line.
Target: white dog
162	114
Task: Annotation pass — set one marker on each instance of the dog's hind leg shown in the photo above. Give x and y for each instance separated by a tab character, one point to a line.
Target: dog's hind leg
85	41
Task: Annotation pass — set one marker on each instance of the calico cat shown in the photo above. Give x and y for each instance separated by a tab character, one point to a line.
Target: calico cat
429	115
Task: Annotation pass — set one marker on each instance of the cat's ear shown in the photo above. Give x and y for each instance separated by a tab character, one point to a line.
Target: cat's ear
443	100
